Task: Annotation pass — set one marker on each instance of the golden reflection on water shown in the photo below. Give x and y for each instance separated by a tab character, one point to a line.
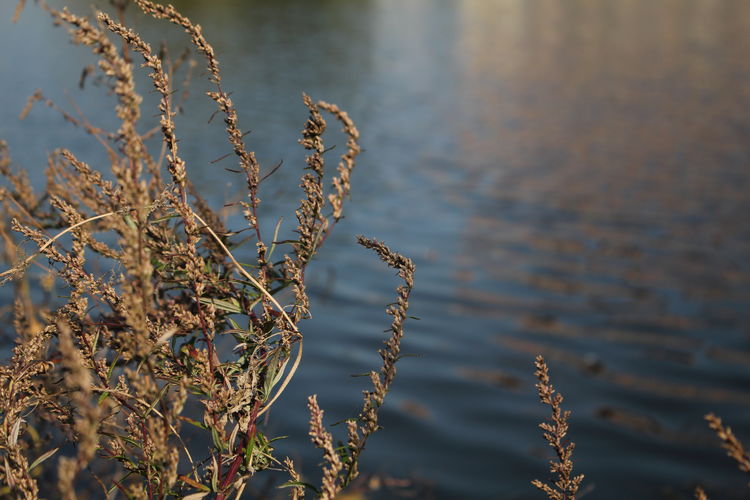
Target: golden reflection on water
609	140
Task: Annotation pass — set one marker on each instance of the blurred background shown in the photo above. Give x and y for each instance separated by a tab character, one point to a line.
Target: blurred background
571	178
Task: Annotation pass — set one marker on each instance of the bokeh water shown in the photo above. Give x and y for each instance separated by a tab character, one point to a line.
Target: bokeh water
571	178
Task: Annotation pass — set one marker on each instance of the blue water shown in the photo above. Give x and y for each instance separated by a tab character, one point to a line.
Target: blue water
571	179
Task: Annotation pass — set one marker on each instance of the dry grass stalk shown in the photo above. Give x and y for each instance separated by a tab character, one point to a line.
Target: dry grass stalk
297	491
111	367
729	442
700	494
342	468
247	159
341	184
565	486
324	440
17	12
78	381
20	391
176	165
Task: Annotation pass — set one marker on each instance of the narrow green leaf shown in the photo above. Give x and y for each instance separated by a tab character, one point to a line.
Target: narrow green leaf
112	366
42	458
231	305
276	377
290	484
249	451
215	476
158	398
118	485
166	217
130	222
96	339
273	242
102	397
217	440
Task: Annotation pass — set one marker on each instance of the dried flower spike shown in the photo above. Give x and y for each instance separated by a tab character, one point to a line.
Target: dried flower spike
729	442
564	486
339	472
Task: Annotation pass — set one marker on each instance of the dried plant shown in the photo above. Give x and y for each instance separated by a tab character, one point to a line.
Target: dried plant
18	10
341	463
563	486
700	494
729	442
174	321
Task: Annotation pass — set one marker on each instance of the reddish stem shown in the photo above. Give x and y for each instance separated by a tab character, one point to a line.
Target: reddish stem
252	429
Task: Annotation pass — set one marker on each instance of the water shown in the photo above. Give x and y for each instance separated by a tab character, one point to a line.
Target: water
570	178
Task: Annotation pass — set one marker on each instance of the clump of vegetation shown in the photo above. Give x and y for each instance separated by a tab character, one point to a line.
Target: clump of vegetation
97	387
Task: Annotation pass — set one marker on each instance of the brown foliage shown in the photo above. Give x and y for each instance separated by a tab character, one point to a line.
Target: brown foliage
111	368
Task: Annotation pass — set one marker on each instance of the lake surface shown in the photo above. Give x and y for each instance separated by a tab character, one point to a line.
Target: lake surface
572	179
